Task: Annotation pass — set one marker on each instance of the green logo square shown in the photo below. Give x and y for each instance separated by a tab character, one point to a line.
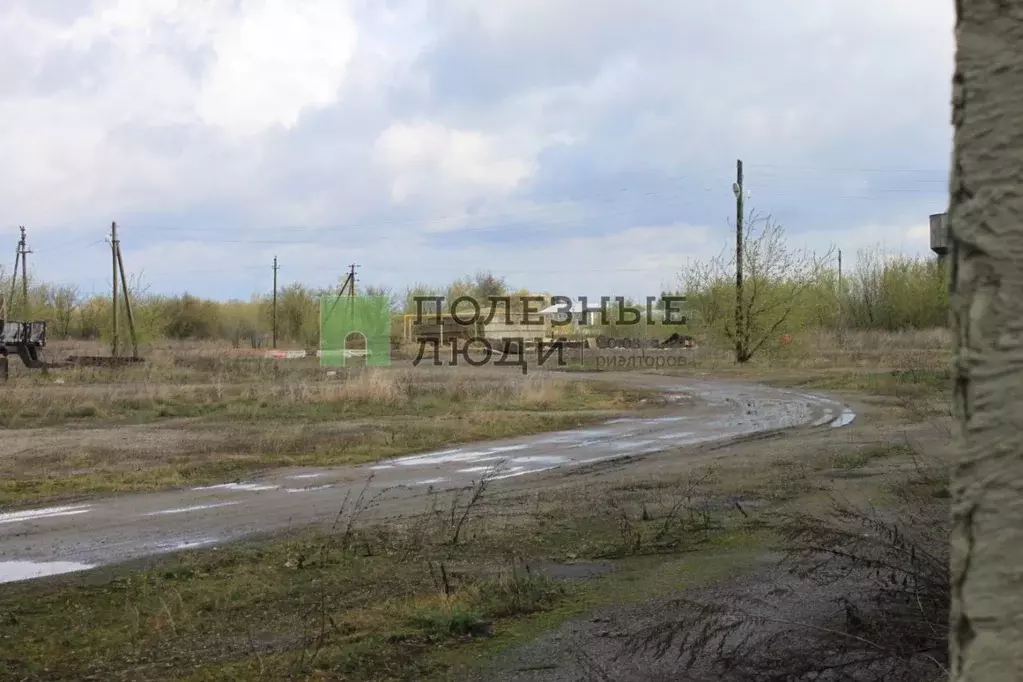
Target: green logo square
342	317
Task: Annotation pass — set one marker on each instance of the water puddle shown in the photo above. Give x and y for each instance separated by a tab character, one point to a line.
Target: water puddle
663	420
309	489
45	513
539	459
829	416
13	571
474	470
430	481
506	448
590	433
239	486
681	435
844	419
628	445
519	471
183	510
178	545
299	477
448	456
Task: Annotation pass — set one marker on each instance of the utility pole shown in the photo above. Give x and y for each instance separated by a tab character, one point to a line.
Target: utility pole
740	346
9	301
349	283
127	304
840	270
351	280
24	250
19	258
113	312
274	313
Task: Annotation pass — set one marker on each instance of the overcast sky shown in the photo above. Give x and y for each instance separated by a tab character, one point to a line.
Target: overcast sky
585	147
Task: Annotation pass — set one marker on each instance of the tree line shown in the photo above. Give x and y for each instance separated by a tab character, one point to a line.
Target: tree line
785	290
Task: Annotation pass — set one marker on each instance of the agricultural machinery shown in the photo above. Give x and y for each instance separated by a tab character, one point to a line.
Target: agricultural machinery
24	339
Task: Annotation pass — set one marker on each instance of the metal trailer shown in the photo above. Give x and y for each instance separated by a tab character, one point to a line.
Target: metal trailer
24	339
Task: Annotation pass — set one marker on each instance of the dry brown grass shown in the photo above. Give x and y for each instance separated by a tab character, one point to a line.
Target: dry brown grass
825	350
812	354
205	415
386	612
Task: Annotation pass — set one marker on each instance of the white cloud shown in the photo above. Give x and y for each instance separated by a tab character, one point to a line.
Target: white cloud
275	62
429	138
449	165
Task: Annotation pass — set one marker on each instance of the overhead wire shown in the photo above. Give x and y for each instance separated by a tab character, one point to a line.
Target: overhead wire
528	218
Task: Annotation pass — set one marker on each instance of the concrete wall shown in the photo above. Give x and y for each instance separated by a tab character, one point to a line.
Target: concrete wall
986	259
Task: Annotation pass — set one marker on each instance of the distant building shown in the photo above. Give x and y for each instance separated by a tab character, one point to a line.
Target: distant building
939	234
546	323
576	308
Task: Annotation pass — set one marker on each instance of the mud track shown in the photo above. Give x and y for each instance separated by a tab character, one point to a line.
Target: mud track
46	541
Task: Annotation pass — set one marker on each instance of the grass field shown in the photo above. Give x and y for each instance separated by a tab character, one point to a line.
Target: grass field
441	590
188	418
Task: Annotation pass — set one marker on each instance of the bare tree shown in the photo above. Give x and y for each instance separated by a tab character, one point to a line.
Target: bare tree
64	300
778	279
486	284
421	292
986	292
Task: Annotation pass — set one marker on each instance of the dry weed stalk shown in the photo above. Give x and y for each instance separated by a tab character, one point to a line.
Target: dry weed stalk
889	579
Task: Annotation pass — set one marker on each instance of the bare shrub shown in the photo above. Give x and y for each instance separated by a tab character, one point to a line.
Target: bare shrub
887	579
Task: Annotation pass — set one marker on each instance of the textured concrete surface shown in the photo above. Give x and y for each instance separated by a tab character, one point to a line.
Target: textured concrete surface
986	239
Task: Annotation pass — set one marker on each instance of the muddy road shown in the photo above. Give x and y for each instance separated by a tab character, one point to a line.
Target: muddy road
46	541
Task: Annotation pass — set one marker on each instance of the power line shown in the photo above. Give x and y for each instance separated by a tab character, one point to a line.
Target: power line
332	230
761	187
847	169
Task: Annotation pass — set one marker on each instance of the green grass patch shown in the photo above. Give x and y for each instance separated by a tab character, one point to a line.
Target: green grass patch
859	459
374	605
903	383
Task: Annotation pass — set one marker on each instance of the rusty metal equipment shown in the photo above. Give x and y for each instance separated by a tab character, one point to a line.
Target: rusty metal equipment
24	339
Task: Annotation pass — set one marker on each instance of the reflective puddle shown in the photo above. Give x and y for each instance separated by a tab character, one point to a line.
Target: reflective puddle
13	571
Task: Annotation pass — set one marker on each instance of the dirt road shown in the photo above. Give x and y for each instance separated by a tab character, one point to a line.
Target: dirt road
46	541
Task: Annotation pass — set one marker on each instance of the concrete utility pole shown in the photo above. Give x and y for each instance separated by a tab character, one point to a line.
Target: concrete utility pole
19	259
274	314
740	346
985	222
25	311
113	312
9	308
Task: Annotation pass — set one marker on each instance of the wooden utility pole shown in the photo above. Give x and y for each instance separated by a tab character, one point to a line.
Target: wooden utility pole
127	304
274	313
740	346
840	270
113	312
